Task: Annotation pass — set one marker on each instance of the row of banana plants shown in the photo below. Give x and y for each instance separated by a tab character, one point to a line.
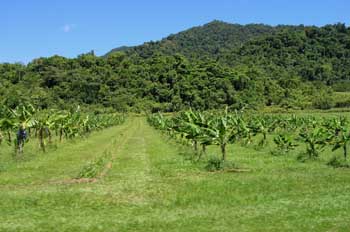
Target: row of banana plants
288	131
24	122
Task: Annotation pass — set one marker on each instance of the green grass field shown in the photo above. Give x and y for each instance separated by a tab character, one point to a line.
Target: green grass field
152	186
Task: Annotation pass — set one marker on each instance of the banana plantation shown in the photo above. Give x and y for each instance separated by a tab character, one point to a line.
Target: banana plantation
25	122
286	132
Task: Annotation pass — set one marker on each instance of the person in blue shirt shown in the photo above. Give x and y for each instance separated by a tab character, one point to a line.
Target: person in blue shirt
21	137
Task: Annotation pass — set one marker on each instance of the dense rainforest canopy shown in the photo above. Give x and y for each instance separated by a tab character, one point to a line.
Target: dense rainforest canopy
204	67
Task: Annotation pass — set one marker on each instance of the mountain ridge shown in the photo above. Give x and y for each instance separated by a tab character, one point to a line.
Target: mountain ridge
201	38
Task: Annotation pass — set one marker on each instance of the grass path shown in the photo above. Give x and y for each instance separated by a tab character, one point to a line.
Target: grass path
64	162
150	187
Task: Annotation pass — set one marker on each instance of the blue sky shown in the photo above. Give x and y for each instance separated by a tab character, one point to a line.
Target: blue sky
36	28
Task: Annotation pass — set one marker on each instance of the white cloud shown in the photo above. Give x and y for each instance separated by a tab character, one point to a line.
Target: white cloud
68	28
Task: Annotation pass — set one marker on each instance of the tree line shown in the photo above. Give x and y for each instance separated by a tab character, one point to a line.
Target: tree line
285	66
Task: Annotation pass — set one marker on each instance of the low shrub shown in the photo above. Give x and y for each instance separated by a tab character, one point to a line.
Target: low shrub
215	164
94	168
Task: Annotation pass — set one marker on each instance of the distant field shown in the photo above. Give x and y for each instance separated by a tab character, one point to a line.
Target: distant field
151	185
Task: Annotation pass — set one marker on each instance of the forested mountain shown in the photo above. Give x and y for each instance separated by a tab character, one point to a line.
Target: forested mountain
307	51
208	40
314	54
205	67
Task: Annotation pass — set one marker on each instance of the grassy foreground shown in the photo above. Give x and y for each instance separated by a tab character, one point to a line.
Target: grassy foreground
150	187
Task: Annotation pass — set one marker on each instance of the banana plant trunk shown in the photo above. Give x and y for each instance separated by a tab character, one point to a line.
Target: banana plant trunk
195	145
204	148
9	136
203	151
41	139
223	151
264	138
345	150
50	135
61	134
312	151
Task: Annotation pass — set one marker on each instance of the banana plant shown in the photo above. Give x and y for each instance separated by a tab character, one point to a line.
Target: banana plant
260	126
223	130
60	121
8	125
284	143
191	124
43	124
341	140
315	139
